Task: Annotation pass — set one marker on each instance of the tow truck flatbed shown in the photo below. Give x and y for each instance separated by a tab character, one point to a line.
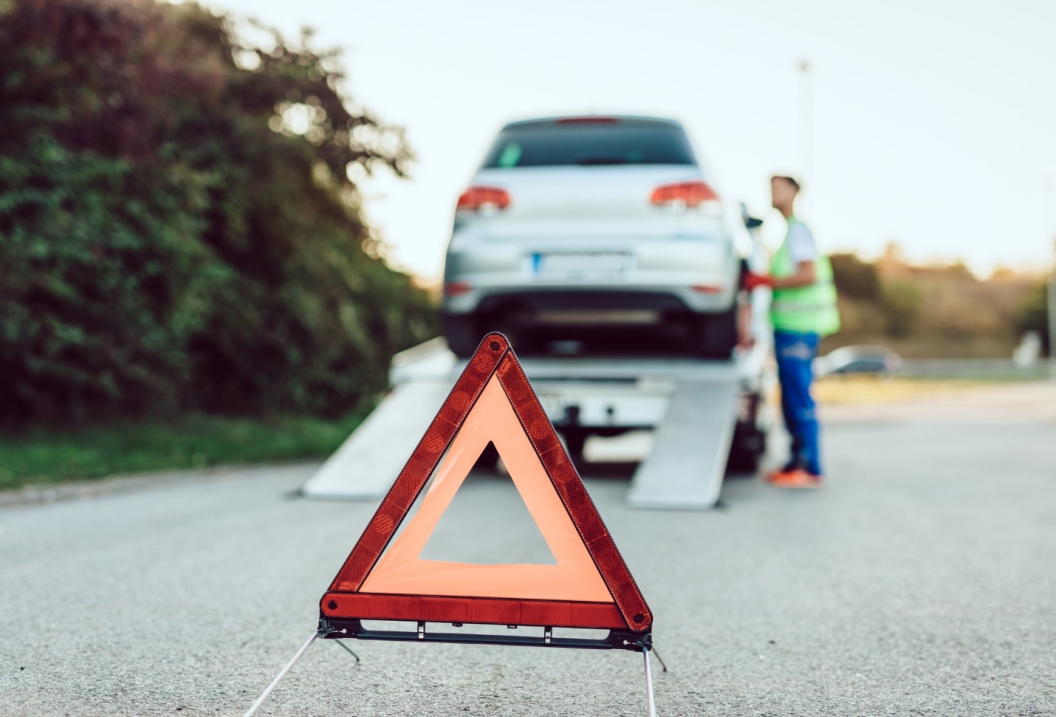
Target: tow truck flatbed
698	410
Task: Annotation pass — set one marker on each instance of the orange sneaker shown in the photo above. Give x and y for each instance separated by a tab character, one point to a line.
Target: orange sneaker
793	478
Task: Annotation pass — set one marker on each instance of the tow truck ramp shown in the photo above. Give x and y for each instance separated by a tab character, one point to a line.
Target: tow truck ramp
690	447
692	406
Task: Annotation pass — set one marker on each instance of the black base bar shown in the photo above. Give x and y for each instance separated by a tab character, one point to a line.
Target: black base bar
353	629
331	629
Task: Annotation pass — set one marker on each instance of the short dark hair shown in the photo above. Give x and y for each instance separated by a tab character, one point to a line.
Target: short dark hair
790	180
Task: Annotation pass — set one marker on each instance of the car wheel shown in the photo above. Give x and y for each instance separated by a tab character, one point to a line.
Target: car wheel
718	334
461	334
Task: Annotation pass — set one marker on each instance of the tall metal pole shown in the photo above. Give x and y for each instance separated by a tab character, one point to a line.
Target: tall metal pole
1050	226
806	122
1052	325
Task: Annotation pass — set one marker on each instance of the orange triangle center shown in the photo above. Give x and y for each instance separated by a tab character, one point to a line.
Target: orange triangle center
401	570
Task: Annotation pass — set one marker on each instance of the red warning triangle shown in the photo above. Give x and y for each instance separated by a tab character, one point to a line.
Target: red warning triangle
589	586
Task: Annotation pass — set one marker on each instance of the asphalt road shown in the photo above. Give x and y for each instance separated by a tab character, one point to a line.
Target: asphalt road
922	580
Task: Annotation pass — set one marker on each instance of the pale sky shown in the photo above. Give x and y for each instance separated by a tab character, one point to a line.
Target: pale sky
934	123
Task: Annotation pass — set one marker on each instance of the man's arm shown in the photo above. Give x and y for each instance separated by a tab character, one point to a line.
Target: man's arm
803	276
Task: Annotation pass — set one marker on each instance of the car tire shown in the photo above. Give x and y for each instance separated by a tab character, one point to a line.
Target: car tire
460	330
718	334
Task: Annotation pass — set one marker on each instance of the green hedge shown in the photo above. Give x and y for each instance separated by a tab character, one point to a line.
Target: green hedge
168	240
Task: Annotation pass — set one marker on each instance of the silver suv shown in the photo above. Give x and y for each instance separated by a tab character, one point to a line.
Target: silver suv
590	235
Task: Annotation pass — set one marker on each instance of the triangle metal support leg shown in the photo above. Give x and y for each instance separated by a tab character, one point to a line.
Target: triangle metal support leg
656	654
648	683
348	649
287	668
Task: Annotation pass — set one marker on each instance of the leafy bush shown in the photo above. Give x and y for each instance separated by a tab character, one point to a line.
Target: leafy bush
938	310
178	231
901	301
855	278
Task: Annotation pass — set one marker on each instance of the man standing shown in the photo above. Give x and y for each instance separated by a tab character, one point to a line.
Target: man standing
803	310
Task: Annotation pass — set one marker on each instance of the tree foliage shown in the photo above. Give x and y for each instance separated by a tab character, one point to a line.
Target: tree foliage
1033	314
933	310
901	301
178	230
855	278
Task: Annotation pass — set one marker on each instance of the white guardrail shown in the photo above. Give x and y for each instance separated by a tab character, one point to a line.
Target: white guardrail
969	369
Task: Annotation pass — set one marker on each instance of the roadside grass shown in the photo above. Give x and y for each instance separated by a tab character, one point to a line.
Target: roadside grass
41	455
52	455
885	389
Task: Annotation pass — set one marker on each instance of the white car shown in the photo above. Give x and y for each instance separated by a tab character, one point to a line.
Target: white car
590	235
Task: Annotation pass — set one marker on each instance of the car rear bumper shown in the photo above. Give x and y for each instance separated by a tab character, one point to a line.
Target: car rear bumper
595	305
582	323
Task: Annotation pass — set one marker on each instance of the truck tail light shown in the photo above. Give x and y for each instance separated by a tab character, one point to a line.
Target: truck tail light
477	198
691	194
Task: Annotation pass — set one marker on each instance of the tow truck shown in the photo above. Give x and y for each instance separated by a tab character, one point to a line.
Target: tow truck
706	417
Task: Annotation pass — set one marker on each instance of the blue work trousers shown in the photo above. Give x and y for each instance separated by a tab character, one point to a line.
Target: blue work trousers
795	354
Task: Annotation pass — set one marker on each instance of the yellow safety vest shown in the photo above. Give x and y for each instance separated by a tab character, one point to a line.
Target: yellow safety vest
806	309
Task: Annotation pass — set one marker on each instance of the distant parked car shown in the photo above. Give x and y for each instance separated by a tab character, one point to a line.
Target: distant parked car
591	235
858	359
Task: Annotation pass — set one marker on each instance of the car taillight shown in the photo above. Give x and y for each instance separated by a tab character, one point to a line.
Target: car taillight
691	194
457	288
477	198
706	289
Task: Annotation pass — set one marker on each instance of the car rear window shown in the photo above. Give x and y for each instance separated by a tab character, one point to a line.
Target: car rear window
615	142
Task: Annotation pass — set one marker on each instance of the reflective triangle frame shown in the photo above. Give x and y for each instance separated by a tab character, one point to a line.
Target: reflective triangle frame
344	605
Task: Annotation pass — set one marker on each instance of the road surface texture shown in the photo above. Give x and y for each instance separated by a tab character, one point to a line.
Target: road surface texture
921	581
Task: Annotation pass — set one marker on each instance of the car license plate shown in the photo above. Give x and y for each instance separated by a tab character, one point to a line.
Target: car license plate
581	265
